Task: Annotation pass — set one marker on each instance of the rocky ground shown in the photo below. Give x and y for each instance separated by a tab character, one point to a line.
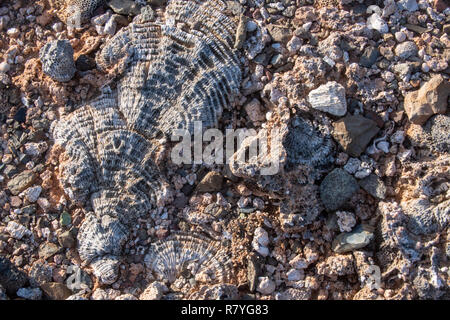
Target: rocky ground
366	82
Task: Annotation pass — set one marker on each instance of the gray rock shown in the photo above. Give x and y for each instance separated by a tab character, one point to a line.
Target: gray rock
125	7
439	127
40	273
406	50
377	23
410	5
354	133
30	293
369	57
330	98
337	188
48	249
357	239
57	60
307	146
422	216
21	181
374	186
11	278
253	270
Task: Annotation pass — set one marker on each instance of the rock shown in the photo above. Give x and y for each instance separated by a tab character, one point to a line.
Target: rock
125	7
329	98
56	291
85	63
406	50
400	36
57	60
377	23
298	262
17	231
261	241
295	275
253	109
369	57
410	5
111	26
41	272
337	188
439	126
241	32
440	5
30	293
253	271
4	67
11	278
357	239
21	115
278	33
21	181
156	2
212	182
352	165
33	193
265	286
345	220
354	133
48	249
65	219
374	186
66	240
154	291
430	99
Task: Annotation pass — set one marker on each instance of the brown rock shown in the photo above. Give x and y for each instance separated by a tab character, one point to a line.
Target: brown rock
430	99
354	133
44	19
211	182
21	181
56	291
48	249
440	5
279	33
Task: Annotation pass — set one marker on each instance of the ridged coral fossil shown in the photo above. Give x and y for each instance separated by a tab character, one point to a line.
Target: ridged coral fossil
181	257
171	71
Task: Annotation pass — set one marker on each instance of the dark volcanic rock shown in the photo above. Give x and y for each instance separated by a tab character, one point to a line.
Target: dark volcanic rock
337	188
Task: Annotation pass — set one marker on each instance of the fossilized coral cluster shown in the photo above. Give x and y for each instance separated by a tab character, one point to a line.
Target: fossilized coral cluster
173	70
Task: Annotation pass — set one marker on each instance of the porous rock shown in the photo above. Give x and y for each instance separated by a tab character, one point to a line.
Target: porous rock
57	60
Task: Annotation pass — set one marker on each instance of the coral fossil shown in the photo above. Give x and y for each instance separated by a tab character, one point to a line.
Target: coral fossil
185	255
173	70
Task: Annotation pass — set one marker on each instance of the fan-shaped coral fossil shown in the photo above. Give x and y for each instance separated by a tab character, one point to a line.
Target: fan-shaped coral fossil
189	256
173	70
